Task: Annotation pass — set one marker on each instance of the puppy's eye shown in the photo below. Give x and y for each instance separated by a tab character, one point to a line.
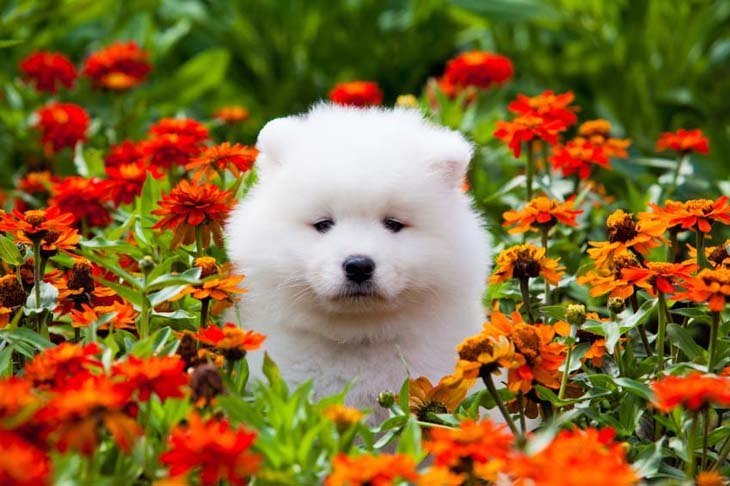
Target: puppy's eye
393	225
323	225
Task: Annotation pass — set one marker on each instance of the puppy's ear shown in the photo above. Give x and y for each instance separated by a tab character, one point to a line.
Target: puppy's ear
275	137
451	155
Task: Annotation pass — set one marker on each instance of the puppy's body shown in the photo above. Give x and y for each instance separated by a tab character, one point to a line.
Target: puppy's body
360	250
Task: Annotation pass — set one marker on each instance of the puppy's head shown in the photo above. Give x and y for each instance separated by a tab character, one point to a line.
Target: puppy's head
357	212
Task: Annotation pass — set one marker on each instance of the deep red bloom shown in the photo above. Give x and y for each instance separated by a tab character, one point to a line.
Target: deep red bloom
126	181
693	391
164	376
62	125
478	68
526	128
119	66
547	105
54	366
357	93
47	71
237	158
684	141
84	198
126	152
578	158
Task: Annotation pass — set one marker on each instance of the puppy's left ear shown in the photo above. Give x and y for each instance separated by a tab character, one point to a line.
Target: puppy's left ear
451	154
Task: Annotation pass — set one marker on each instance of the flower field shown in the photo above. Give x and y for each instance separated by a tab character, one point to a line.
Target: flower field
604	356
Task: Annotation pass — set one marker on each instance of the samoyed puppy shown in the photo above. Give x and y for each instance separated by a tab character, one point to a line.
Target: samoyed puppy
364	259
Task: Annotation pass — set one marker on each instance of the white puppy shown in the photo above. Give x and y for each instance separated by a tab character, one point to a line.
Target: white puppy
360	250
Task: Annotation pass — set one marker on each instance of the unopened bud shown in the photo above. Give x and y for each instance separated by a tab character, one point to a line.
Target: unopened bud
575	314
616	305
407	101
386	399
146	264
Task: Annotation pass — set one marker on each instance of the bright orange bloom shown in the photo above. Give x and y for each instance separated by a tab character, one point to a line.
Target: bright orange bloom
164	376
84	198
124	315
342	416
40	225
54	366
357	93
538	358
526	261
693	391
478	68
119	66
230	340
48	71
213	449
75	414
191	206
366	470
596	353
22	463
659	276
525	128
610	279
547	105
5	315
231	114
694	215
123	153
125	181
483	353
440	476
62	125
684	141
237	158
480	446
626	234
16	394
574	458
187	129
541	213
578	157
710	478
598	132
424	398
710	285
77	287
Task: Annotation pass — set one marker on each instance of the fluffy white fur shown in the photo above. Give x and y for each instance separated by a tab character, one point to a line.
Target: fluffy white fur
359	166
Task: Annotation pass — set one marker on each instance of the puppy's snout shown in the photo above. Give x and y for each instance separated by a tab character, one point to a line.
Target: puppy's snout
358	268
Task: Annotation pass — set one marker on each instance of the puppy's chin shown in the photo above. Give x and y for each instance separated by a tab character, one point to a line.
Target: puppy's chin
356	299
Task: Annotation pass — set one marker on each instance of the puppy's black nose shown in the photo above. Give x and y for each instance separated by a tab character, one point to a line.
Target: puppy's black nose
358	268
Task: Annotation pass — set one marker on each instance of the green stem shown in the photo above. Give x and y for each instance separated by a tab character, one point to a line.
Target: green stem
489	383
714	328
705	435
722	455
199	250
529	173
544	234
144	322
675	177
566	369
521	406
700	243
525	290
204	304
689	466
661	331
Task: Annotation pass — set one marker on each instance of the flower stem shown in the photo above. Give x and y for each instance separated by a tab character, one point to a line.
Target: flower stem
722	455
525	290
677	170
689	466
529	173
661	331
199	250
566	369
204	304
544	235
521	407
489	383
700	244
714	328
705	435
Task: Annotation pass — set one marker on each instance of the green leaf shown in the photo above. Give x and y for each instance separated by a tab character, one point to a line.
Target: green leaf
21	335
165	294
410	439
403	401
681	338
509	10
190	277
636	387
273	375
9	252
48	299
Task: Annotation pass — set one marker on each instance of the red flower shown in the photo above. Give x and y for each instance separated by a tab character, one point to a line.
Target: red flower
162	375
525	128
48	70
186	128
367	470
357	93
237	158
84	198
578	158
126	152
126	181
547	105
659	276
62	125
119	66
214	449
693	391
55	366
22	463
478	68
684	141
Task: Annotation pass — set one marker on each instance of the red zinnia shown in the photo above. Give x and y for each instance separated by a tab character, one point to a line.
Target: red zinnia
119	66
84	198
48	70
54	366
526	128
126	181
684	141
126	152
237	158
578	158
22	463
547	105
62	125
186	128
357	93
478	68
164	376
693	391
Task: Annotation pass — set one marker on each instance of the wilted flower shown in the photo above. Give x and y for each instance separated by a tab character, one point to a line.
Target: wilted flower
357	93
684	141
524	262
541	213
48	71
62	125
206	383
368	470
119	66
12	293
693	391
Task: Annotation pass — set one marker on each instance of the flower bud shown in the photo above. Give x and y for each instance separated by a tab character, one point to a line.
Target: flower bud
575	314
386	399
407	101
146	264
616	305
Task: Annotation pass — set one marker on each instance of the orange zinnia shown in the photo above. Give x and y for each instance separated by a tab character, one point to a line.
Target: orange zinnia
357	93
190	206
525	128
21	462
710	285
55	366
547	105
610	279
578	157
626	234
541	213
693	391
424	398
696	214
44	225
187	129
231	114
164	376
684	141
119	66
230	340
77	287
659	276
124	315
237	158
16	394
481	354
366	470
12	293
478	68
575	458
598	132
212	448
62	125
48	71
342	416
524	262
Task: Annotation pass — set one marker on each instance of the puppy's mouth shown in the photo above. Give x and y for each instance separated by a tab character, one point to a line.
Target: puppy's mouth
358	292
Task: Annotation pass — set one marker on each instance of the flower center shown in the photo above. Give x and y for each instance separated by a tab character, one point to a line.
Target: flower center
526	341
621	227
699	206
35	216
471	349
525	265
431	407
11	292
81	277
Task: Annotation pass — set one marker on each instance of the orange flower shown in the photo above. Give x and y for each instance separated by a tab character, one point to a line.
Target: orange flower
684	141
481	354
693	391
478	68
123	153
189	130
22	463
119	66
574	458
596	353
474	448
342	416
84	199
230	340
12	293
125	181
440	476
598	132
16	395
213	449
526	261
124	315
541	213
525	128
190	206
710	478
37	184
5	315
357	93
365	470
424	398
578	157
710	285
47	71
61	125
694	215
77	287
231	114
547	105
162	375
605	280
626	234
40	225
659	276
237	158
55	366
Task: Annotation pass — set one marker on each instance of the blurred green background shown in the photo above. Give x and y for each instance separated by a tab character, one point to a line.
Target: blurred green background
647	66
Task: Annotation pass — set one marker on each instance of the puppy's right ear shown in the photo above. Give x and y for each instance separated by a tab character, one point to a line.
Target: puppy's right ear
276	136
